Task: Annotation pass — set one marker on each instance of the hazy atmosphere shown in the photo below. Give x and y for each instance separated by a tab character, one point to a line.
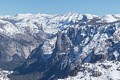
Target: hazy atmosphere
98	7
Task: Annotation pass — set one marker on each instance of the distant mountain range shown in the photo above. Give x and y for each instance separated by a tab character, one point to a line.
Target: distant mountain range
59	46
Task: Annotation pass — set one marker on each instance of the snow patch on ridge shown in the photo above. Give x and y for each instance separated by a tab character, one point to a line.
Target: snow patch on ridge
109	18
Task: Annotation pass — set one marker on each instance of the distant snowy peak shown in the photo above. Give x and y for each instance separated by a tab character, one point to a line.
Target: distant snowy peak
109	18
50	23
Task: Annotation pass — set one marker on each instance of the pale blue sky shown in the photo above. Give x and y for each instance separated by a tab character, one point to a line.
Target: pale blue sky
98	7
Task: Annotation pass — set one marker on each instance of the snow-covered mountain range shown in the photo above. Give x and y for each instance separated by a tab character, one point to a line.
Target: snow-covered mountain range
22	33
60	46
